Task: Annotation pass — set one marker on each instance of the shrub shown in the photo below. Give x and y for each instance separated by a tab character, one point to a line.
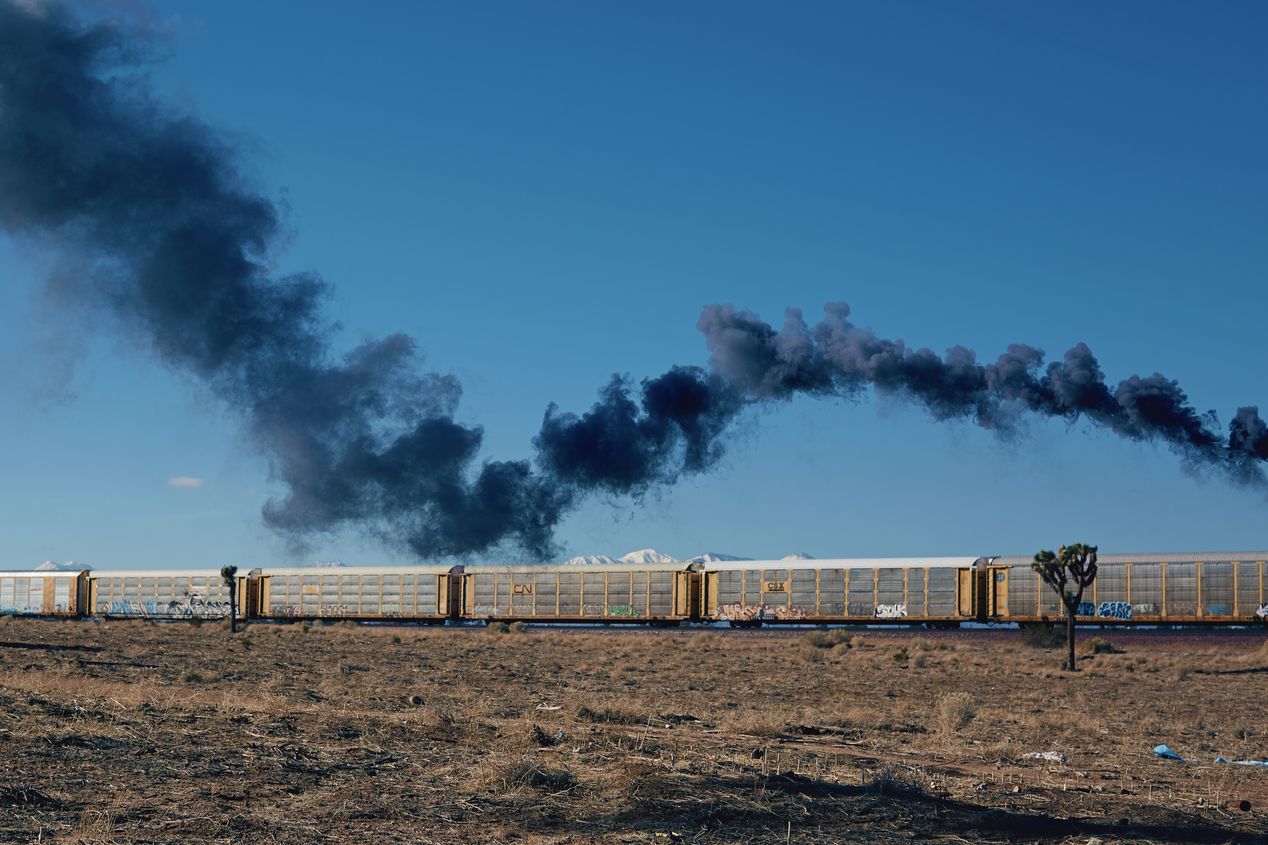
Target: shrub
812	655
896	782
1097	645
1044	635
529	773
828	639
192	677
955	711
900	655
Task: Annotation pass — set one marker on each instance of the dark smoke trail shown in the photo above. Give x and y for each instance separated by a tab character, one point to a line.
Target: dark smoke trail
626	447
753	362
160	229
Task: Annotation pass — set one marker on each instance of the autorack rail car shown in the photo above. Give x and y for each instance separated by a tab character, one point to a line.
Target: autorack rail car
1170	589
939	590
44	593
420	593
619	592
145	593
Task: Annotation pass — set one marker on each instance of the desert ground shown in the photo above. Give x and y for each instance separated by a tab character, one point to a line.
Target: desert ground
129	732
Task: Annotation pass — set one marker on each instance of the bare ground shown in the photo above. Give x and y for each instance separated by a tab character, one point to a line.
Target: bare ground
136	732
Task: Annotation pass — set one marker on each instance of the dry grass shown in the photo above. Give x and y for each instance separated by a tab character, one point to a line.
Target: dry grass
955	711
135	732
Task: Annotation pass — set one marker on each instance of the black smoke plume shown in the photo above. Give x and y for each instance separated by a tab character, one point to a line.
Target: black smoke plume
159	228
753	362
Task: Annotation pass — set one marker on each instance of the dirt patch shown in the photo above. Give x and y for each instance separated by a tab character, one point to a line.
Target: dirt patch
341	734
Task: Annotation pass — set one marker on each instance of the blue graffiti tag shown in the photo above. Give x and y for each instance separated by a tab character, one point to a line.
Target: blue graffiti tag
1086	608
1115	610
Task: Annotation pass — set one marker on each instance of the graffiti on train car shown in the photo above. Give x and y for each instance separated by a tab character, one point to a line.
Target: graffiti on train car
1114	610
891	611
1144	610
740	612
191	606
1262	612
625	610
1085	608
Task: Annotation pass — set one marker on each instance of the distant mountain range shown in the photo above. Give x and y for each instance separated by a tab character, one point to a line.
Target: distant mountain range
68	566
642	556
653	556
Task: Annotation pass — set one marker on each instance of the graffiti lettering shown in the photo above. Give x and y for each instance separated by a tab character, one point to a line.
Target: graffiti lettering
191	606
891	611
1262	612
1144	609
739	612
1114	610
1085	608
622	610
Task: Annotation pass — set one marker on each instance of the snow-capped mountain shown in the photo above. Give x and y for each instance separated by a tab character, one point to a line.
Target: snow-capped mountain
653	556
54	566
711	557
640	556
648	556
589	560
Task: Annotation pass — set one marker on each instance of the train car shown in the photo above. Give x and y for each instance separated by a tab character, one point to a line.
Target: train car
635	592
39	593
418	593
159	594
1150	589
937	590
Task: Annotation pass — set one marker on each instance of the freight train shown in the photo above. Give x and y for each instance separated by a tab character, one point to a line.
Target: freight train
1218	588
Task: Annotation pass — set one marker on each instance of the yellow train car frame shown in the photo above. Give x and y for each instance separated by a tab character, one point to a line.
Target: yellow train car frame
59	593
401	593
602	593
939	591
1166	589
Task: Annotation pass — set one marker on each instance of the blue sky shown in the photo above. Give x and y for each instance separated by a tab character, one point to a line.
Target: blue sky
545	194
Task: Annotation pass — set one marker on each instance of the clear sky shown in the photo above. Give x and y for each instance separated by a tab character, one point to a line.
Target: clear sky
545	194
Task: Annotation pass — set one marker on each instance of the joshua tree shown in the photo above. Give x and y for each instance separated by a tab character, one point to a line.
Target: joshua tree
1069	572
228	574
